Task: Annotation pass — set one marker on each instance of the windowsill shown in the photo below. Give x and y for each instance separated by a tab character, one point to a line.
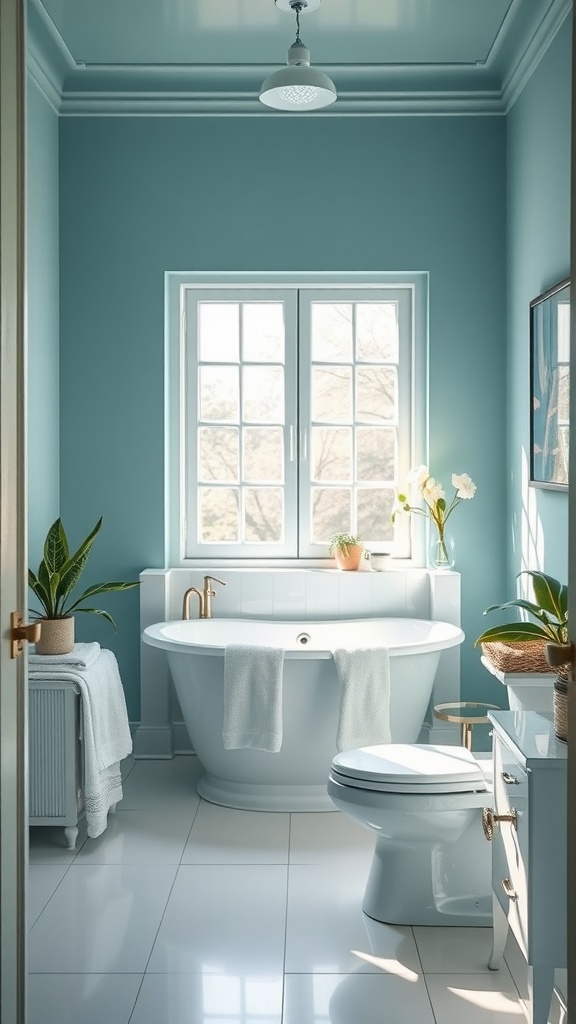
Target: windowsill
293	565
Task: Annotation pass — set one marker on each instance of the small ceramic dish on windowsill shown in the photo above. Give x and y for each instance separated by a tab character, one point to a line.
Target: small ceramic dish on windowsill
379	560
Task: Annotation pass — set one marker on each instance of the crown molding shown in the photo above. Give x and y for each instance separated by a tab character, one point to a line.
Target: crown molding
49	60
233	90
236	104
45	81
519	75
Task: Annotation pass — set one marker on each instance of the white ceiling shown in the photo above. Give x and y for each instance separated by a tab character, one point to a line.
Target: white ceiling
467	53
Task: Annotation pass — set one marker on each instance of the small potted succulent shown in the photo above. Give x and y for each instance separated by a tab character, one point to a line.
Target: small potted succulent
53	584
346	550
530	646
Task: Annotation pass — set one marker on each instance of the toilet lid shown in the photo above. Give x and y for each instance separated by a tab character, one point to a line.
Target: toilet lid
410	768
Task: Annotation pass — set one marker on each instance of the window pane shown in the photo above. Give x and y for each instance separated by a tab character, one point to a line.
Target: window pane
330	512
263	394
263	332
219	396
375	394
374	508
263	454
377	332
563	392
563	332
218	454
218	519
218	330
331	453
332	331
263	515
332	394
375	453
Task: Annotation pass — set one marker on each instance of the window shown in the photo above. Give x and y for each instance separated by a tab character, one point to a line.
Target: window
296	416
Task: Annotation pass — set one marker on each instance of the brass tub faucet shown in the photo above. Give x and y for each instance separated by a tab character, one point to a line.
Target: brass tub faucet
204	598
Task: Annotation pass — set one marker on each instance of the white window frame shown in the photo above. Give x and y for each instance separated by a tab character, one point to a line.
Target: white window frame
409	547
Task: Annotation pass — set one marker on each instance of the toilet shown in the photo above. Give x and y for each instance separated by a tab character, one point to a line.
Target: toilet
431	864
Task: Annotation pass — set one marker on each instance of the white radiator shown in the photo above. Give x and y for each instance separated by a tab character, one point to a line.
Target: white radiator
55	761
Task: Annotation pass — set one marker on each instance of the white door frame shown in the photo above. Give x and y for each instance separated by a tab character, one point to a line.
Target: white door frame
571	810
13	586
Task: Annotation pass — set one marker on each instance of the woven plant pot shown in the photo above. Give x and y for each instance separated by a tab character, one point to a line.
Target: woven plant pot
522	656
560	708
56	636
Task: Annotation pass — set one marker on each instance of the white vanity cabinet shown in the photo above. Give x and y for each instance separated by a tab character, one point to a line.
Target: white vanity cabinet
55	756
528	819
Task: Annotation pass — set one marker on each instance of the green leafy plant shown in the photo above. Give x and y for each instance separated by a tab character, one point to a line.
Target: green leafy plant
59	572
344	542
549	608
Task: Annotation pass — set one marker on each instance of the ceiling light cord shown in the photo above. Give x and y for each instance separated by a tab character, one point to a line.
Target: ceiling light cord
298	9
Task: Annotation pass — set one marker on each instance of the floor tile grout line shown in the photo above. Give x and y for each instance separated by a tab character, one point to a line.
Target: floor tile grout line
131	1014
434	1017
283	995
520	996
52	894
178	866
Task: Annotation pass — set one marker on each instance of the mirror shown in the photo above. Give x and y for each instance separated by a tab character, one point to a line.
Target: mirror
550	387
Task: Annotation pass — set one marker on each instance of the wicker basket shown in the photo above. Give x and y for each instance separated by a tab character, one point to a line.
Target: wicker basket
522	656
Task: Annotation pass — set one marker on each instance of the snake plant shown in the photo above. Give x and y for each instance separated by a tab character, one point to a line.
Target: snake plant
59	573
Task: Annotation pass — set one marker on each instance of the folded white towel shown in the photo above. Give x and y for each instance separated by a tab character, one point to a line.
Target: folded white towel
81	656
253	697
365	699
106	732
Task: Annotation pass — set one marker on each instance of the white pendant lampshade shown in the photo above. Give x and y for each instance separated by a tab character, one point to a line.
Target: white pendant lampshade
298	86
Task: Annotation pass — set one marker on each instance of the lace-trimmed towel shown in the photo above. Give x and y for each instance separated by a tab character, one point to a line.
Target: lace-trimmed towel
106	732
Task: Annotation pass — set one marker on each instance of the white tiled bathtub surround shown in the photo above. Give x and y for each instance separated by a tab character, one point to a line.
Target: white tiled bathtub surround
295	595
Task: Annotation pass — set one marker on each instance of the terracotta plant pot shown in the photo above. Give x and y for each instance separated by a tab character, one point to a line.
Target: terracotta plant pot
350	561
56	636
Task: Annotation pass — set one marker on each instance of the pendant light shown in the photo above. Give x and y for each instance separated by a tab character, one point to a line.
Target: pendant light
298	86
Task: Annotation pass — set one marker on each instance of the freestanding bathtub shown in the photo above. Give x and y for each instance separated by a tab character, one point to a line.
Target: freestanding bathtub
294	779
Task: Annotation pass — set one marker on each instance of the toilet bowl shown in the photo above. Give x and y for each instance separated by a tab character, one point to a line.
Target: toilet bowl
431	864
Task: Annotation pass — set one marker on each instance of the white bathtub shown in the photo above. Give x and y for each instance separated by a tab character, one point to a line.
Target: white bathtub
294	779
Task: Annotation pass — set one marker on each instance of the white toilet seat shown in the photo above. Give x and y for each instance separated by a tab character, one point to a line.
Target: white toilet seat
410	768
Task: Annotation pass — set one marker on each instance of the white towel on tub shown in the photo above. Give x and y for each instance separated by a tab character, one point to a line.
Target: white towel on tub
364	676
253	697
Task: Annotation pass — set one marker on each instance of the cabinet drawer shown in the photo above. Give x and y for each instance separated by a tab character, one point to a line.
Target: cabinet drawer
510	854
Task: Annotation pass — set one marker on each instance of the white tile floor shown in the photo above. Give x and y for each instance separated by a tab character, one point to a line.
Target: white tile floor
188	913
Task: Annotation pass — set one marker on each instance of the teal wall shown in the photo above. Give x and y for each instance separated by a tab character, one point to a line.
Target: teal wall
43	288
538	226
139	197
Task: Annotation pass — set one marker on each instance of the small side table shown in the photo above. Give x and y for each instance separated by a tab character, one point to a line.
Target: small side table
466	713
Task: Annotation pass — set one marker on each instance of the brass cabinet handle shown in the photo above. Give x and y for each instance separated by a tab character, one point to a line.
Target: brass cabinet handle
488	819
509	890
509	779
